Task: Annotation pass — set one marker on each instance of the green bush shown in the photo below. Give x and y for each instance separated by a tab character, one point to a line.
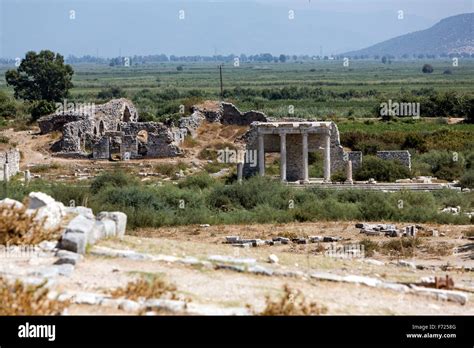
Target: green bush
467	180
7	106
112	92
41	108
381	170
201	181
444	165
116	178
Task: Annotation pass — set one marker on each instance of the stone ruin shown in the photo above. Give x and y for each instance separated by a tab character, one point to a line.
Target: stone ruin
294	140
9	163
112	130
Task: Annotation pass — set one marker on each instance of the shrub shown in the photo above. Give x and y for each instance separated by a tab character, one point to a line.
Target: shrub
146	289
41	108
201	181
404	246
170	169
444	165
116	178
339	176
292	302
467	180
19	227
381	170
370	247
427	69
111	93
20	299
7	106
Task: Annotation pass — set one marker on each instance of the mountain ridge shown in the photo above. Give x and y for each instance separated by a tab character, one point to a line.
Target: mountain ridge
451	35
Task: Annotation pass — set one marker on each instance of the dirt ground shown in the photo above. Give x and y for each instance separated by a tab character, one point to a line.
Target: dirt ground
226	288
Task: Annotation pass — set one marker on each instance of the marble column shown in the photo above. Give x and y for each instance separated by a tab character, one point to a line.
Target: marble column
327	158
349	172
240	171
283	156
6	172
27	177
305	157
261	155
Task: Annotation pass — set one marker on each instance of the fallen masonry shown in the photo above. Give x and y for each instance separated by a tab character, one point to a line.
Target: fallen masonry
243	265
245	243
387	230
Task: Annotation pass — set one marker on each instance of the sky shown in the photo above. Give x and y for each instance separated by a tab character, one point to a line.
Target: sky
109	28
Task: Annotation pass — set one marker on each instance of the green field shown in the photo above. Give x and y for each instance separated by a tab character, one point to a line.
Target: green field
334	90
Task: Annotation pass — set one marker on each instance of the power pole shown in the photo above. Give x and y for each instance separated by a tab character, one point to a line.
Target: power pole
222	86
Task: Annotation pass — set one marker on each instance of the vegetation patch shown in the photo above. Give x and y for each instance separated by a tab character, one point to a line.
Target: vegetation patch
292	302
146	289
20	299
19	227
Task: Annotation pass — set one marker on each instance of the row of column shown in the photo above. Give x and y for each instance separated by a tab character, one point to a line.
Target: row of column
327	156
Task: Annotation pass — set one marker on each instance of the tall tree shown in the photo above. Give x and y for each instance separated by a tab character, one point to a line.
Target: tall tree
41	76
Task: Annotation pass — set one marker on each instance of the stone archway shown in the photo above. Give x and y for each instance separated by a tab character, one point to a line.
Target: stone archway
101	128
126	115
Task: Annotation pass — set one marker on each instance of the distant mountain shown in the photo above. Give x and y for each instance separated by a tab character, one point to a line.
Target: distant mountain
451	35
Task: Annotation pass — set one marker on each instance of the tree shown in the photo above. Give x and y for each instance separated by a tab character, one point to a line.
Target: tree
282	58
427	69
42	76
384	59
7	106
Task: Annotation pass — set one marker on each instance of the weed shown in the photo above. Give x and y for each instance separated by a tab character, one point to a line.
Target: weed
20	299
292	302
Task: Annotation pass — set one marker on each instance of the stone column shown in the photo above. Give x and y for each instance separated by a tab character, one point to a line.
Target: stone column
349	172
283	156
6	172
240	170
27	177
305	157
327	158
261	155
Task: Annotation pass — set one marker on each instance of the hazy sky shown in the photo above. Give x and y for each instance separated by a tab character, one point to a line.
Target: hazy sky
110	27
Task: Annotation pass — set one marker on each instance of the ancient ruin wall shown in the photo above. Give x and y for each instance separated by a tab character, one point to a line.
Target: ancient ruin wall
12	160
403	157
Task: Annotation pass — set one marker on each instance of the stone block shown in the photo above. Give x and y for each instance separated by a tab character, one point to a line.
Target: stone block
79	210
73	241
46	209
119	218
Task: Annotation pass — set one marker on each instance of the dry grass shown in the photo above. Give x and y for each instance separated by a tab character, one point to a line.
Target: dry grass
18	227
147	289
370	247
19	299
190	142
440	249
469	233
292	302
43	168
404	246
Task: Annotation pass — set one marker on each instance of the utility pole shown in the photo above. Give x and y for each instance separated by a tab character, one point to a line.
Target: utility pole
222	86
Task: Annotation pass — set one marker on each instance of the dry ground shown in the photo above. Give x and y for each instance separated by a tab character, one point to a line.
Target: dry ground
233	289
